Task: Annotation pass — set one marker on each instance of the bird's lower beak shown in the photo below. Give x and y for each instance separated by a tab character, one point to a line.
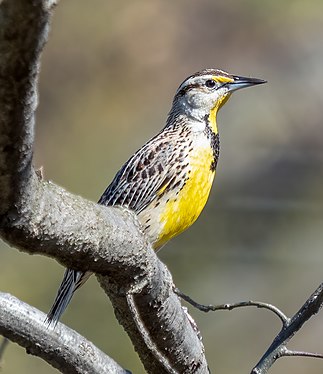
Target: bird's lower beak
243	82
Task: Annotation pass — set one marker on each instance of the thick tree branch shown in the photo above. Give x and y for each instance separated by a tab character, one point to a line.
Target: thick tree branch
64	349
39	217
23	33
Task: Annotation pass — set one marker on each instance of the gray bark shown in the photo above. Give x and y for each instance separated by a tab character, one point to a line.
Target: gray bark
37	216
24	325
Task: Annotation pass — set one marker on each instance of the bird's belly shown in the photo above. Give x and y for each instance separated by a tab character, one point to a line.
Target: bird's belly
180	207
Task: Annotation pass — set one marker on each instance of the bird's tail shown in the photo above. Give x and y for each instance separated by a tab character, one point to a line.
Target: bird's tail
72	280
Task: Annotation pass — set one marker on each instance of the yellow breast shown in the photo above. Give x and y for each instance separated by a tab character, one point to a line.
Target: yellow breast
181	210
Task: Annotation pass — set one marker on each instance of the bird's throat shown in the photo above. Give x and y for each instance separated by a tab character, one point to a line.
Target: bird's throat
214	111
212	120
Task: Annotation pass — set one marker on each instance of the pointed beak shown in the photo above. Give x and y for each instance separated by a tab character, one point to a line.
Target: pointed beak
243	82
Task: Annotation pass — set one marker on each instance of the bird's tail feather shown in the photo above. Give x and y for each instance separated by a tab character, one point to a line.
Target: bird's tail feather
72	280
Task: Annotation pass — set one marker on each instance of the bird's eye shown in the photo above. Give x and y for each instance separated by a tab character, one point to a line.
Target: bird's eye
210	83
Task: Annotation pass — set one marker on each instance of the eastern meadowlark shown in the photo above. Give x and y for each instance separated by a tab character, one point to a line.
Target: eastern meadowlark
168	180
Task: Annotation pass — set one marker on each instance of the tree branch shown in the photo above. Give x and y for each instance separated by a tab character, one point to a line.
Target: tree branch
39	217
64	349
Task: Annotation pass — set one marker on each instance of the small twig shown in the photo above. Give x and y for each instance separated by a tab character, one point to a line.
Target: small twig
40	173
213	308
289	353
3	346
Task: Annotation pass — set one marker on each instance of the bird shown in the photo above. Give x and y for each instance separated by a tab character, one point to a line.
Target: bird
168	180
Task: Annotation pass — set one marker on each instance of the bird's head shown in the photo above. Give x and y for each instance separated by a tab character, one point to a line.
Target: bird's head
204	93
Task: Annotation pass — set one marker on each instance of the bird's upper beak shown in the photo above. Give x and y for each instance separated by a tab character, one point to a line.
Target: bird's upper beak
243	82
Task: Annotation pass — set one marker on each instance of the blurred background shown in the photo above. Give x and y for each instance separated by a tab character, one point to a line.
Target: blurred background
109	73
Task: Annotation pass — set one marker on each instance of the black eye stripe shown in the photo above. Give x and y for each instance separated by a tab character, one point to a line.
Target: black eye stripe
183	91
210	83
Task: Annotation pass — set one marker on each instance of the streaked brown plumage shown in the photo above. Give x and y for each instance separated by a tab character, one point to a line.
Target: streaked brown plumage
168	180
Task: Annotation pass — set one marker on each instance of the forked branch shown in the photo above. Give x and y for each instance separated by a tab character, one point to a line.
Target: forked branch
290	326
37	216
278	348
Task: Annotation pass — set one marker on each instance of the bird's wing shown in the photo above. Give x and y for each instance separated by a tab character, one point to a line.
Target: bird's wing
145	176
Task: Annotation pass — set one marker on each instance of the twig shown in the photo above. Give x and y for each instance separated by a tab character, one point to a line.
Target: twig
3	346
213	308
292	353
